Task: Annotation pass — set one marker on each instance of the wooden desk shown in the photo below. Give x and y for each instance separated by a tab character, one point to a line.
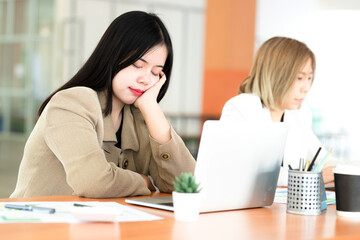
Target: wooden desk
261	223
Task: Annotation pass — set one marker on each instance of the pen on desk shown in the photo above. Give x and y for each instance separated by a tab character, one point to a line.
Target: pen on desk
30	208
80	205
314	159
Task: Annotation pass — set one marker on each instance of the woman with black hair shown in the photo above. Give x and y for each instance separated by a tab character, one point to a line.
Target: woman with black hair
102	134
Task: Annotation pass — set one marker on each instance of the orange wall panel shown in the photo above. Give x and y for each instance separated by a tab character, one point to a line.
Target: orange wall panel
219	87
229	48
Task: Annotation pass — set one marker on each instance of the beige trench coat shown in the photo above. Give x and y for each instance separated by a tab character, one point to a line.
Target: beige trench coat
71	152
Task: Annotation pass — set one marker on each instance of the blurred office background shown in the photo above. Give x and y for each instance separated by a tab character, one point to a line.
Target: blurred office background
44	42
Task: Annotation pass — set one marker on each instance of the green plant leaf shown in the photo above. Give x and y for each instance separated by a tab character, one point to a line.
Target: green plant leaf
186	183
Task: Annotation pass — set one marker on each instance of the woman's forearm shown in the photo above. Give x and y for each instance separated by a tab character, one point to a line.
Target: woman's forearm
159	127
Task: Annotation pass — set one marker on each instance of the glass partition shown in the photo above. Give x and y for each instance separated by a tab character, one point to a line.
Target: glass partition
3	16
26	55
20	16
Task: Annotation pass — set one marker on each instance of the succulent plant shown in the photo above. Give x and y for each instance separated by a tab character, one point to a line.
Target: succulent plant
186	183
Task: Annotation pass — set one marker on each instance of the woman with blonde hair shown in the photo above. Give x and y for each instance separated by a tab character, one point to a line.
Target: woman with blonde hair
280	78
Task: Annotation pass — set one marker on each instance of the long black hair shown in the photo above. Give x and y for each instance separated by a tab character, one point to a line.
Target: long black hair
125	41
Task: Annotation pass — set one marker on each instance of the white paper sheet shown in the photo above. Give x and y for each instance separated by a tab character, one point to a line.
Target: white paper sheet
63	213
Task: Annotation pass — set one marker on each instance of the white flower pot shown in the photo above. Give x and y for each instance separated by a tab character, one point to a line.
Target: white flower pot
186	206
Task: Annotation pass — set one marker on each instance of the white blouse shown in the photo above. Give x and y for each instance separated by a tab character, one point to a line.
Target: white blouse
301	142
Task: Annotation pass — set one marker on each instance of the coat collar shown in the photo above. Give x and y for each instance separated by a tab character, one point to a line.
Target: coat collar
128	132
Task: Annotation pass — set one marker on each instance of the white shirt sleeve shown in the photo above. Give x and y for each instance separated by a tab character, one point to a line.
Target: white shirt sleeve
232	110
245	107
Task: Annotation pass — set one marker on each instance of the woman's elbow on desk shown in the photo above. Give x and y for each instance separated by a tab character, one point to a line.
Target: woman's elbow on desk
108	185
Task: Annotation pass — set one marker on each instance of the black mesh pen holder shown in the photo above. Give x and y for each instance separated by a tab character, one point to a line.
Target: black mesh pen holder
304	195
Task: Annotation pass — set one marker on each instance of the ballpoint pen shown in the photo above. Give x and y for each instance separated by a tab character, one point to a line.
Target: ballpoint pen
318	167
80	205
289	165
301	165
314	159
307	165
30	208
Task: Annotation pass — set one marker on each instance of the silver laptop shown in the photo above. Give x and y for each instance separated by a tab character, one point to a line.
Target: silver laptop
237	166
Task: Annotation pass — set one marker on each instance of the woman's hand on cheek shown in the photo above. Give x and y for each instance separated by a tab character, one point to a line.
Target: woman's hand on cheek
156	122
150	95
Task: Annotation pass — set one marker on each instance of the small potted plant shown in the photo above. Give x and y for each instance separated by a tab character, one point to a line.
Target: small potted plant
186	197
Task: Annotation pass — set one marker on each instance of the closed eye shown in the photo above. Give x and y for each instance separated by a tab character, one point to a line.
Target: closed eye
136	66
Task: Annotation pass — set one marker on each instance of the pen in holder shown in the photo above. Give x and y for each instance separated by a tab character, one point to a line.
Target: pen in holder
305	193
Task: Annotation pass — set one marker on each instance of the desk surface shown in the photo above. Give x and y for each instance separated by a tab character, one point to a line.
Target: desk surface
260	223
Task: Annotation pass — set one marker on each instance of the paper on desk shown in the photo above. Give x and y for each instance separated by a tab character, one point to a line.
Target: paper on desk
281	196
63	213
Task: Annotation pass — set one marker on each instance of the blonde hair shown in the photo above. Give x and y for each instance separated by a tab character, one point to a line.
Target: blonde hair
274	71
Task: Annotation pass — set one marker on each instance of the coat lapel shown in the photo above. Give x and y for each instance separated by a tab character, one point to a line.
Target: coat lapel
128	134
109	132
